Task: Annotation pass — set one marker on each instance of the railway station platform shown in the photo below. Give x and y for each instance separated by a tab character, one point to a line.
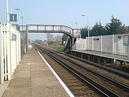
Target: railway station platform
33	78
101	54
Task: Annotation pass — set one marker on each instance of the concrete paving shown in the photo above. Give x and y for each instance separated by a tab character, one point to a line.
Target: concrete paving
33	78
3	87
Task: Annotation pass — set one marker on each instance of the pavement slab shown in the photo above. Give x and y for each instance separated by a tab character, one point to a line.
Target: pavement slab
33	78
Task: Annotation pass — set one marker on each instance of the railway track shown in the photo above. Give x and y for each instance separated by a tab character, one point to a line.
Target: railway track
76	86
103	84
117	82
110	69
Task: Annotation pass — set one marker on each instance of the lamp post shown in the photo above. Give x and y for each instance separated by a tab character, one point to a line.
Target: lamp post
77	28
22	21
83	15
7	11
23	41
4	66
76	24
18	9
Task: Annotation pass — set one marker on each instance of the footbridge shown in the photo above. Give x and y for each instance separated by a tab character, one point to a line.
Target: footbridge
32	28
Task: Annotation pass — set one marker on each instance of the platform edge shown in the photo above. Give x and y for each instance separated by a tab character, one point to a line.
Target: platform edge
58	78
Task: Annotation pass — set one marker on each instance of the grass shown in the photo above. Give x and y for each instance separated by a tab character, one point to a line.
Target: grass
58	48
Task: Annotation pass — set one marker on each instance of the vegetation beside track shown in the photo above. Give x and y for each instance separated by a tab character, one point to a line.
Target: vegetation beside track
57	47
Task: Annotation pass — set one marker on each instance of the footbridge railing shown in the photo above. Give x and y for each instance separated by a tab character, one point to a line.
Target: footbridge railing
50	29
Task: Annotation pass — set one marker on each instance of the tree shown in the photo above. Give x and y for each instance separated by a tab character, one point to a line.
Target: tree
127	29
84	32
115	27
97	30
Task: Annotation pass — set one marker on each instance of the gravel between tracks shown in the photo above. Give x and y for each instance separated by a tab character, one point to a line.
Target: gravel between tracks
78	88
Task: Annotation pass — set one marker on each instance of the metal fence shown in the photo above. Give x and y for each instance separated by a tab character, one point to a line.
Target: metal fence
115	44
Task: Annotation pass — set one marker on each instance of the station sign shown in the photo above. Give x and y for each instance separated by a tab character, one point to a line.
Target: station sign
13	37
13	17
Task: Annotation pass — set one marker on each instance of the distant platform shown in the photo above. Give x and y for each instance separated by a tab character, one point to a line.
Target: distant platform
106	55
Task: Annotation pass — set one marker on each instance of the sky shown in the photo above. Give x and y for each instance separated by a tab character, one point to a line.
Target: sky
69	12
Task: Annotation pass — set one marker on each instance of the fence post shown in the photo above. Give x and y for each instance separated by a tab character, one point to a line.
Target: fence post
86	43
92	43
113	49
101	43
2	54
